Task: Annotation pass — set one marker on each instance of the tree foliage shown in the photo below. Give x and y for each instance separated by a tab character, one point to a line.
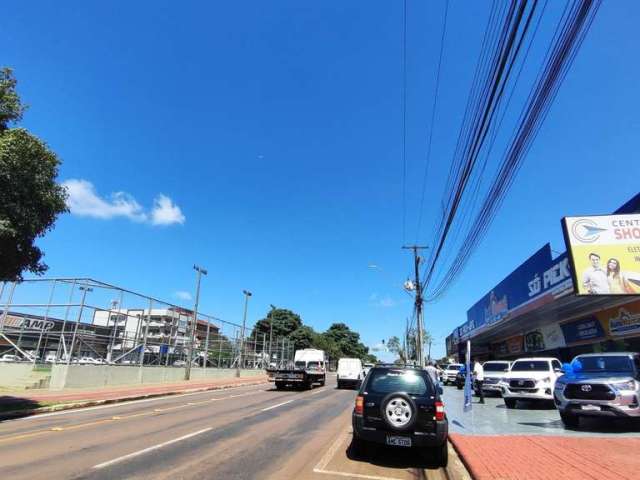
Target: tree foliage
338	341
30	198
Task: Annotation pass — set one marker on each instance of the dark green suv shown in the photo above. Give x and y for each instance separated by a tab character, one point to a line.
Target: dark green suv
401	407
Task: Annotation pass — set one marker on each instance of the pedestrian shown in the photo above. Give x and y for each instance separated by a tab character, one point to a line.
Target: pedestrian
433	372
478	371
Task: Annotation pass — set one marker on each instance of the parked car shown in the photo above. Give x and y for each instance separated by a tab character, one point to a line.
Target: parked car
530	379
494	372
6	358
449	373
460	377
88	361
604	385
349	372
401	407
366	367
50	358
178	363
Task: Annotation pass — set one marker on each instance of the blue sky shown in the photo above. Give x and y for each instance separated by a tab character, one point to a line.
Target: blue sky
262	140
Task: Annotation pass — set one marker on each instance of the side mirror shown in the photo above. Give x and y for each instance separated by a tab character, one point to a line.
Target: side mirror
559	370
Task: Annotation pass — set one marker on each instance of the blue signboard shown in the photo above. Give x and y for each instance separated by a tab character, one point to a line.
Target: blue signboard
586	328
537	275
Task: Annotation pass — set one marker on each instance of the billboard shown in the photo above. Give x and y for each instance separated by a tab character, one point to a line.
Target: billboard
605	253
588	328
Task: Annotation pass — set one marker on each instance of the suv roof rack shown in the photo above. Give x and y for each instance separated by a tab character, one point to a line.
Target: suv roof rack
398	365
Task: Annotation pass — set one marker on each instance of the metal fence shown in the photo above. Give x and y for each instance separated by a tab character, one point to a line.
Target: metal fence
81	320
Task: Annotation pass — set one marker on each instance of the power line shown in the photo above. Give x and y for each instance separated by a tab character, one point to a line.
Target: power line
432	124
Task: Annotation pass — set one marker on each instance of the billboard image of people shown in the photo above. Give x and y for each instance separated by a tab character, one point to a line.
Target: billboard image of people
605	253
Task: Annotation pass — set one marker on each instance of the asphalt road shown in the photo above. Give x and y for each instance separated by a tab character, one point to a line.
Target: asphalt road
241	433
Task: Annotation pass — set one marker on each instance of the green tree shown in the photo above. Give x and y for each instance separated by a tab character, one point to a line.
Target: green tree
347	341
30	198
285	322
304	337
395	346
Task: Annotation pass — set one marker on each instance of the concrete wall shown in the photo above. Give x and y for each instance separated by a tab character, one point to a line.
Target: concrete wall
90	376
14	374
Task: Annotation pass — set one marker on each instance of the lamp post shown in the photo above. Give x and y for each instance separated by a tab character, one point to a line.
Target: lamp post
247	294
84	290
273	309
187	369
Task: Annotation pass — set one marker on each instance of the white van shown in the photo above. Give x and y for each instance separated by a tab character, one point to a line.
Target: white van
349	372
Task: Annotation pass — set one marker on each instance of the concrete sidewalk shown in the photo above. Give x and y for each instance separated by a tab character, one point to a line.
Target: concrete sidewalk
32	402
529	457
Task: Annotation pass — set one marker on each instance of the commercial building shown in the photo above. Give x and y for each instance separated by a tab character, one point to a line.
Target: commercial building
534	310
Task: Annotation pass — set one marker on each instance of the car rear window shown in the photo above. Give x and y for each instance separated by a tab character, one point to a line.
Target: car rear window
387	381
606	364
530	366
454	367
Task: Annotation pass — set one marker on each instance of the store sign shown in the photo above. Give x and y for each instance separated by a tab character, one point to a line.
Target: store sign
25	323
624	323
584	329
605	253
538	275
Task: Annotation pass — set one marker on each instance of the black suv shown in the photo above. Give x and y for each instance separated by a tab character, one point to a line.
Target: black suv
401	406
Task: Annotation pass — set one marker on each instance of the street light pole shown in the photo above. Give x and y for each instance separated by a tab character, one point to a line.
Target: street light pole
187	369
247	294
273	308
85	290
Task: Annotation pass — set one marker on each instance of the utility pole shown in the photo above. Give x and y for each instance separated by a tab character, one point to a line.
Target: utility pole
419	301
247	294
187	369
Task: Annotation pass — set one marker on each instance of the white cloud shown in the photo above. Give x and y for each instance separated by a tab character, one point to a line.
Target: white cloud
181	295
84	201
165	212
384	302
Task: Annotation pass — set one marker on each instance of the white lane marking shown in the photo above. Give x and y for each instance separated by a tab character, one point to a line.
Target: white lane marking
319	390
328	456
354	475
277	405
150	449
129	402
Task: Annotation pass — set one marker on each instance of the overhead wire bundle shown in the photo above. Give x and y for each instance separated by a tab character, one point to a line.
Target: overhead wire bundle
506	43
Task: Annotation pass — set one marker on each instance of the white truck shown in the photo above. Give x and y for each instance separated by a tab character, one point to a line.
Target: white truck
530	379
350	372
309	368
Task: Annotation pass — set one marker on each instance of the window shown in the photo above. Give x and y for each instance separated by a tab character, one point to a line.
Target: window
606	363
496	367
530	366
387	381
556	365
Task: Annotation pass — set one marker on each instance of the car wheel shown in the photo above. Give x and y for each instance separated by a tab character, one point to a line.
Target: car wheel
339	384
279	385
570	420
510	402
399	411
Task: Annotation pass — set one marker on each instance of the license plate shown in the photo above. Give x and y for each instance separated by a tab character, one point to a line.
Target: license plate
398	441
591	407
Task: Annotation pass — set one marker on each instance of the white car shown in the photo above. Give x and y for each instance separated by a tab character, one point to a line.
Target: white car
349	372
449	373
10	358
89	361
530	379
494	372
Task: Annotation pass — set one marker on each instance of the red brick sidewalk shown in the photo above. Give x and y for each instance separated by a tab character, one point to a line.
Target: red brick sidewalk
532	457
128	392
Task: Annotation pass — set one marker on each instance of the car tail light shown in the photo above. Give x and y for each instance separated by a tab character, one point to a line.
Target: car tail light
359	405
439	411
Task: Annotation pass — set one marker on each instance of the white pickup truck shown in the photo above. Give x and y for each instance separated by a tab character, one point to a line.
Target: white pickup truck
530	379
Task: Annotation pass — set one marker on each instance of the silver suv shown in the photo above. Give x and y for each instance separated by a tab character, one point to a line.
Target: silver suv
605	384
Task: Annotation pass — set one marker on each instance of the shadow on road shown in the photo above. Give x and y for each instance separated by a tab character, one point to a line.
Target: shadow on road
530	405
594	425
14	407
390	457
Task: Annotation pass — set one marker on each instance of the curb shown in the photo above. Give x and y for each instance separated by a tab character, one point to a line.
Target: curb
12	414
458	450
